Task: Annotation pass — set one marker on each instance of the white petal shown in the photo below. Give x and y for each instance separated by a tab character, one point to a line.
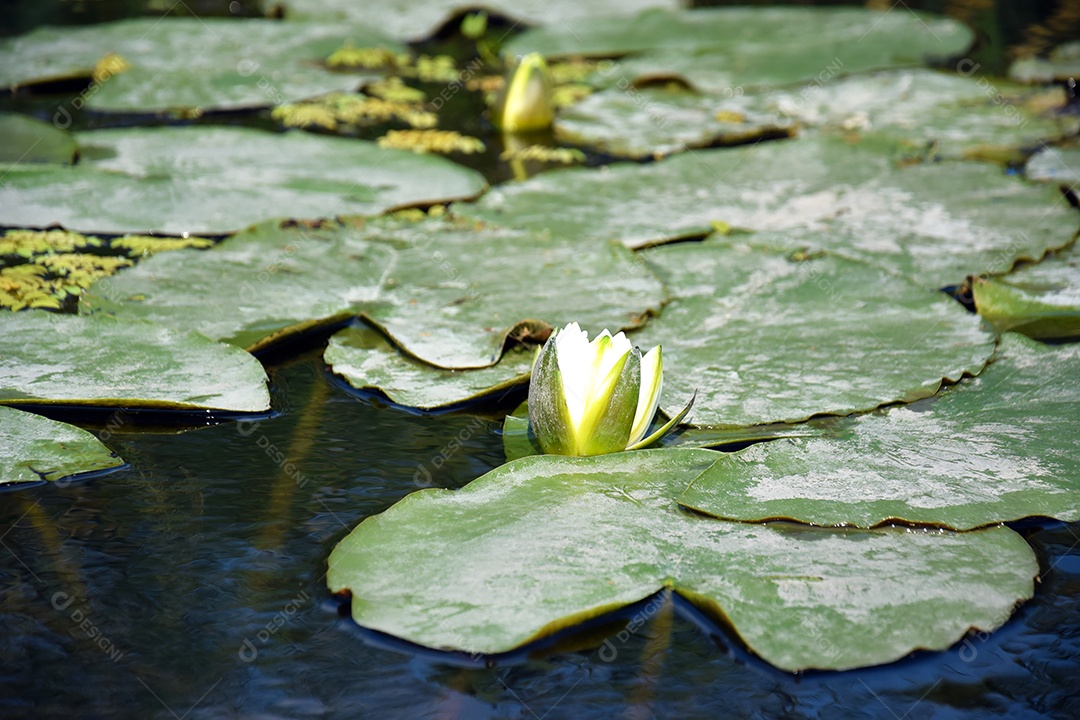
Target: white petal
575	358
652	383
608	354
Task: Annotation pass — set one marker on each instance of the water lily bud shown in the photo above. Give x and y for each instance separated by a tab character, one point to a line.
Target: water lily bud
528	103
592	398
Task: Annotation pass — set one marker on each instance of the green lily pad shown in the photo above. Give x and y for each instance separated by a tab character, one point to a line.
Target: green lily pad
937	222
519	441
239	64
178	180
729	48
368	361
101	361
681	196
419	19
448	293
1000	447
1040	300
544	543
36	448
1062	63
1044	314
963	116
31	141
764	339
1056	165
655	122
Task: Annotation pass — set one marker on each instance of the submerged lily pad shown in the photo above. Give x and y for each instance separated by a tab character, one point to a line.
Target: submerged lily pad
369	362
102	361
937	223
763	339
179	180
728	48
36	448
418	19
999	447
238	64
31	141
544	543
448	293
654	122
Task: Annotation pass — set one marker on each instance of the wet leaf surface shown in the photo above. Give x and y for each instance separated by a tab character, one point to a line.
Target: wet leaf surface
102	361
414	20
1056	165
653	123
221	179
763	338
936	223
155	68
548	542
36	448
28	140
720	49
365	359
995	448
448	293
940	113
1062	63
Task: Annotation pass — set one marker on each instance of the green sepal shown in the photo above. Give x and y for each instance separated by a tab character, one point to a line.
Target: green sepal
548	414
668	427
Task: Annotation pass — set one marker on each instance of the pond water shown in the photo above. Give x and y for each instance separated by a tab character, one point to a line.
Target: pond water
191	583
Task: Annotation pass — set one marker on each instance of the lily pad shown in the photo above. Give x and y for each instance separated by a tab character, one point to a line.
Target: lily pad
729	48
937	222
764	339
419	19
1043	314
239	64
1040	300
544	543
101	361
962	116
178	180
1062	63
445	292
1056	165
681	196
368	361
656	122
31	141
36	449
997	448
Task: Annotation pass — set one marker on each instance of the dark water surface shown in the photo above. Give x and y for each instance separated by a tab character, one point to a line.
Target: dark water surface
191	585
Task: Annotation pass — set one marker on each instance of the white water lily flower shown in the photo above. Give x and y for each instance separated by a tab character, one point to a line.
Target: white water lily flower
592	398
